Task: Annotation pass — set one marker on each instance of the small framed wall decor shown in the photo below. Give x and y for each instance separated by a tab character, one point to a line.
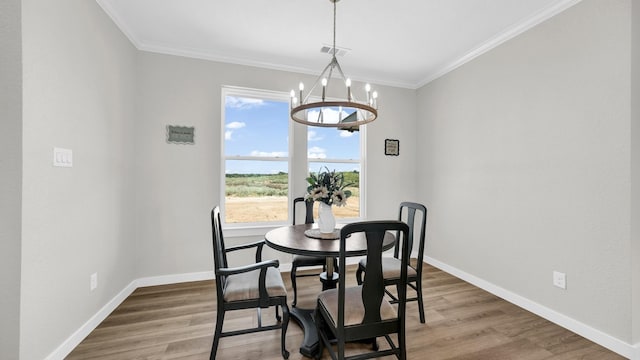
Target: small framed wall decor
180	134
391	147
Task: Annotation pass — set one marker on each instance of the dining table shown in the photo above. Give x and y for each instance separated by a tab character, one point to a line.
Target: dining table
306	239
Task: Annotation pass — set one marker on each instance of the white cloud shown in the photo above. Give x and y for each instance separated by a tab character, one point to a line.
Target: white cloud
236	125
330	116
233	125
317	153
269	154
240	103
313	136
346	134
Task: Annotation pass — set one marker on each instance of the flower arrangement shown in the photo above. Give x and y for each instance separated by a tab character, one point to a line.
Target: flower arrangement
327	187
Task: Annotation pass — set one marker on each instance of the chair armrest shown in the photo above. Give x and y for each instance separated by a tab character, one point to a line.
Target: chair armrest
258	245
262	279
251	267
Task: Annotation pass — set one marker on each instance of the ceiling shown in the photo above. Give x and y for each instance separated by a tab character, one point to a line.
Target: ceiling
404	43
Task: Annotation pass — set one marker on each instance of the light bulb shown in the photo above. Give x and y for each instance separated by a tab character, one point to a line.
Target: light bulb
324	82
301	86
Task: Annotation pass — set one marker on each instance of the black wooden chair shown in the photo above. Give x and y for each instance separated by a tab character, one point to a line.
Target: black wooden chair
391	265
348	314
302	260
257	285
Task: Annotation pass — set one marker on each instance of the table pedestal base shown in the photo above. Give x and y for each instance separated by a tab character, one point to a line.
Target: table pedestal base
304	318
328	283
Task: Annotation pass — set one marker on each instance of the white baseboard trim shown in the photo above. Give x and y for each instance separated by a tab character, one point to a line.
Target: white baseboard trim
616	345
173	279
76	338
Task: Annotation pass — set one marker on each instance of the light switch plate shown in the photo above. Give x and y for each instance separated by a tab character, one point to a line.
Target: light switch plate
62	157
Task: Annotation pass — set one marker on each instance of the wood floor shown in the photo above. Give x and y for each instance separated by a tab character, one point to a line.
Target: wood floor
463	323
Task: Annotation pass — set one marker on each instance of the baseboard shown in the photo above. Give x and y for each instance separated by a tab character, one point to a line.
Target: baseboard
630	351
618	346
173	279
76	338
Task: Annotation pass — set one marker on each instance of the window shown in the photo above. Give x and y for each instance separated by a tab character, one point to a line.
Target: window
337	150
258	155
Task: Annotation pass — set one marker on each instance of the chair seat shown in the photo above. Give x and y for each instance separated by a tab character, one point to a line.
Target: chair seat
244	286
391	268
302	260
354	308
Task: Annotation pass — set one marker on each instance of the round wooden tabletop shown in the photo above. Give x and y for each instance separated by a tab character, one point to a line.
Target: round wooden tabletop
292	239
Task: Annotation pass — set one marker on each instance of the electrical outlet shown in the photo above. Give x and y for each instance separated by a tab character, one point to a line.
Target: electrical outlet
560	279
93	281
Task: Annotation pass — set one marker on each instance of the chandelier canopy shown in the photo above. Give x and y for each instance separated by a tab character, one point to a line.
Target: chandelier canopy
344	112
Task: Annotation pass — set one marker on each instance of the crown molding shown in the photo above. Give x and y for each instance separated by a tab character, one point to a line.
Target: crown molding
501	38
488	45
119	22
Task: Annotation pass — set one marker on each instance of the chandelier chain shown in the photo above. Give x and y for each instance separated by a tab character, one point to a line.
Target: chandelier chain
334	29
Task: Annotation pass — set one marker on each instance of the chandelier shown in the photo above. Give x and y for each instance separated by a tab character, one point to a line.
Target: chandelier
344	112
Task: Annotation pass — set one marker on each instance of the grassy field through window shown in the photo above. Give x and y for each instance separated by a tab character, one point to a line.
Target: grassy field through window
253	198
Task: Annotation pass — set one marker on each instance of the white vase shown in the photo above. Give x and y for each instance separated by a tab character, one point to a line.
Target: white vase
326	220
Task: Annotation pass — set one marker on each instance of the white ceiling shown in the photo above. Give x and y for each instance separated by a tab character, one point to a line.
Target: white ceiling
404	43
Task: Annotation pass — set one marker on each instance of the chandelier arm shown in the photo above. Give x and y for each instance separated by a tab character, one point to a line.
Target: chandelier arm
318	80
344	78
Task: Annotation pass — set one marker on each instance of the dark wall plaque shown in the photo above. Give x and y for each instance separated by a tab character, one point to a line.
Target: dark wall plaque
180	134
392	147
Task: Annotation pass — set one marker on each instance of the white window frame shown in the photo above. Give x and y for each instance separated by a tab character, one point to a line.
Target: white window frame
260	228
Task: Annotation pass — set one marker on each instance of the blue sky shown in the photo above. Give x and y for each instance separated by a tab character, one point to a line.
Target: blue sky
255	127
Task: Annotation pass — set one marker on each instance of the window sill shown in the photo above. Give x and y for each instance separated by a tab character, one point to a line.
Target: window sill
245	230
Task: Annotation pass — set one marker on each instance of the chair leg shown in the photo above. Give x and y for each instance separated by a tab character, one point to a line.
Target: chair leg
216	335
293	285
319	326
420	302
359	274
285	325
402	343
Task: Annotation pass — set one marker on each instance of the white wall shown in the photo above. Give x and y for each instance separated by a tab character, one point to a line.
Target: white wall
11	179
79	77
525	163
635	169
177	185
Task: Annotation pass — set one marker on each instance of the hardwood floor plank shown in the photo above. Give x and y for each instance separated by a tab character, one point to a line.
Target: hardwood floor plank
175	322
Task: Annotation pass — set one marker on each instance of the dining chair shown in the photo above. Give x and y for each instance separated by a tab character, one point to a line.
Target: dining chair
363	313
303	260
415	215
257	285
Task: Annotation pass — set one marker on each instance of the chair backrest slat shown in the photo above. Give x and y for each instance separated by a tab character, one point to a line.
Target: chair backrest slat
373	284
308	219
219	251
415	215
